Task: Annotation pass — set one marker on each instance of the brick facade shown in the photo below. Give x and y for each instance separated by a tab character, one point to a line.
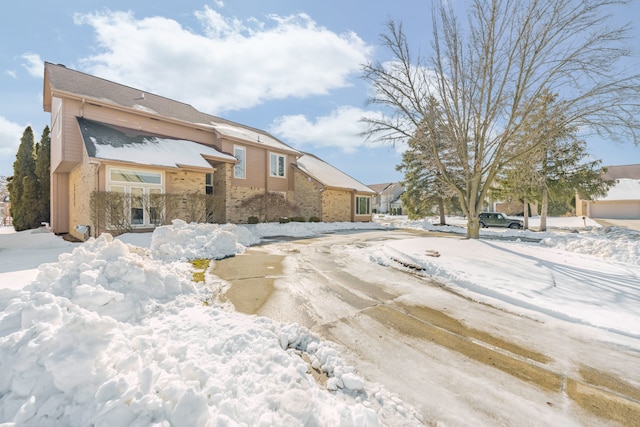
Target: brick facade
336	206
83	180
307	195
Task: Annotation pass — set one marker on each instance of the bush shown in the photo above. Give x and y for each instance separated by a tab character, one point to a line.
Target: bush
269	206
314	219
298	219
253	220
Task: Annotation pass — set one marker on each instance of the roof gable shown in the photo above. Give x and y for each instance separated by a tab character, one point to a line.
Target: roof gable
82	85
328	175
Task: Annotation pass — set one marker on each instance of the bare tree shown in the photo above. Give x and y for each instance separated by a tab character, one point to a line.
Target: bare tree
487	76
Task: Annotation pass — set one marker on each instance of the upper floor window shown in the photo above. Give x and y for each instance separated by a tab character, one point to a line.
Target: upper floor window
239	170
363	205
277	165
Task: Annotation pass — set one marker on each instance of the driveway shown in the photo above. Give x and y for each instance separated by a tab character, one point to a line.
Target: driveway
632	224
436	349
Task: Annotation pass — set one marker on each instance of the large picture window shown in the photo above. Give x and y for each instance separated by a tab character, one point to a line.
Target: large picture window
277	165
239	170
138	187
363	205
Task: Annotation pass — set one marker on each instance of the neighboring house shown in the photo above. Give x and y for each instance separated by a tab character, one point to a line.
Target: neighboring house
107	138
5	211
623	199
387	199
342	198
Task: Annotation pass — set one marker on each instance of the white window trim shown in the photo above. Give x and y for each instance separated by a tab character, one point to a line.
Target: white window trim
358	205
244	162
146	188
284	168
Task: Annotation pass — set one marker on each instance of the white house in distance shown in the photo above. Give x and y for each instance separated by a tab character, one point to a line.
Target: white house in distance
387	198
623	199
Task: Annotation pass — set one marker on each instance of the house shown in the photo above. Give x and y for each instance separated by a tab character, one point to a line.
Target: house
341	197
5	211
387	199
119	154
622	200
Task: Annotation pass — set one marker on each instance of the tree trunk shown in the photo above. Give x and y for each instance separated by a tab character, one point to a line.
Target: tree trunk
473	223
526	213
443	220
543	214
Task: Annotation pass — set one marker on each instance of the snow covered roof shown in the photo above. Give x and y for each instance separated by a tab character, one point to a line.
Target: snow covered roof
108	142
624	189
253	135
329	175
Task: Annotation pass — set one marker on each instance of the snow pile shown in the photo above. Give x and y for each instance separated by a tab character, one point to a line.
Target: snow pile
183	241
109	335
113	279
192	241
613	243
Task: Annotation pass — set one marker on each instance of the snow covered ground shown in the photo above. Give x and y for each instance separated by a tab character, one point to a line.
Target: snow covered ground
114	331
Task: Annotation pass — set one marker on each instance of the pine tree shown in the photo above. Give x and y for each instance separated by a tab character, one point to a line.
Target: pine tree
42	172
22	187
554	169
425	187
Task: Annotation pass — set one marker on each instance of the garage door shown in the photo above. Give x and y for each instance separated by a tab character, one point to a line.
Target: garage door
616	210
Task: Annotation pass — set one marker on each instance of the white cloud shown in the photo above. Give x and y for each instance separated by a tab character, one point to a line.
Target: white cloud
11	74
33	64
232	65
342	129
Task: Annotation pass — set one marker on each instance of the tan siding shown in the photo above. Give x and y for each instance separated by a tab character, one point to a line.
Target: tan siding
60	203
72	144
256	168
256	165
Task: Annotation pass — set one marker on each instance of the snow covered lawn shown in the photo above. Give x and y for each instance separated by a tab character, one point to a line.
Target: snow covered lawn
115	332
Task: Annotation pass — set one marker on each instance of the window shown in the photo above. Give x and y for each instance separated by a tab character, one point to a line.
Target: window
155	206
122	175
277	165
363	205
137	206
208	186
239	170
141	204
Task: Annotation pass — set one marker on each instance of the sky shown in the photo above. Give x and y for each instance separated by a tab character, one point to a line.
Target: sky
120	320
290	67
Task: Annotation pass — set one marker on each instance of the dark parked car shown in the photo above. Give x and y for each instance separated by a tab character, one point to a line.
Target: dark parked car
497	219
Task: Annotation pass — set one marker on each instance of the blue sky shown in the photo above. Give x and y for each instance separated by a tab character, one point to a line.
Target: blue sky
290	67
